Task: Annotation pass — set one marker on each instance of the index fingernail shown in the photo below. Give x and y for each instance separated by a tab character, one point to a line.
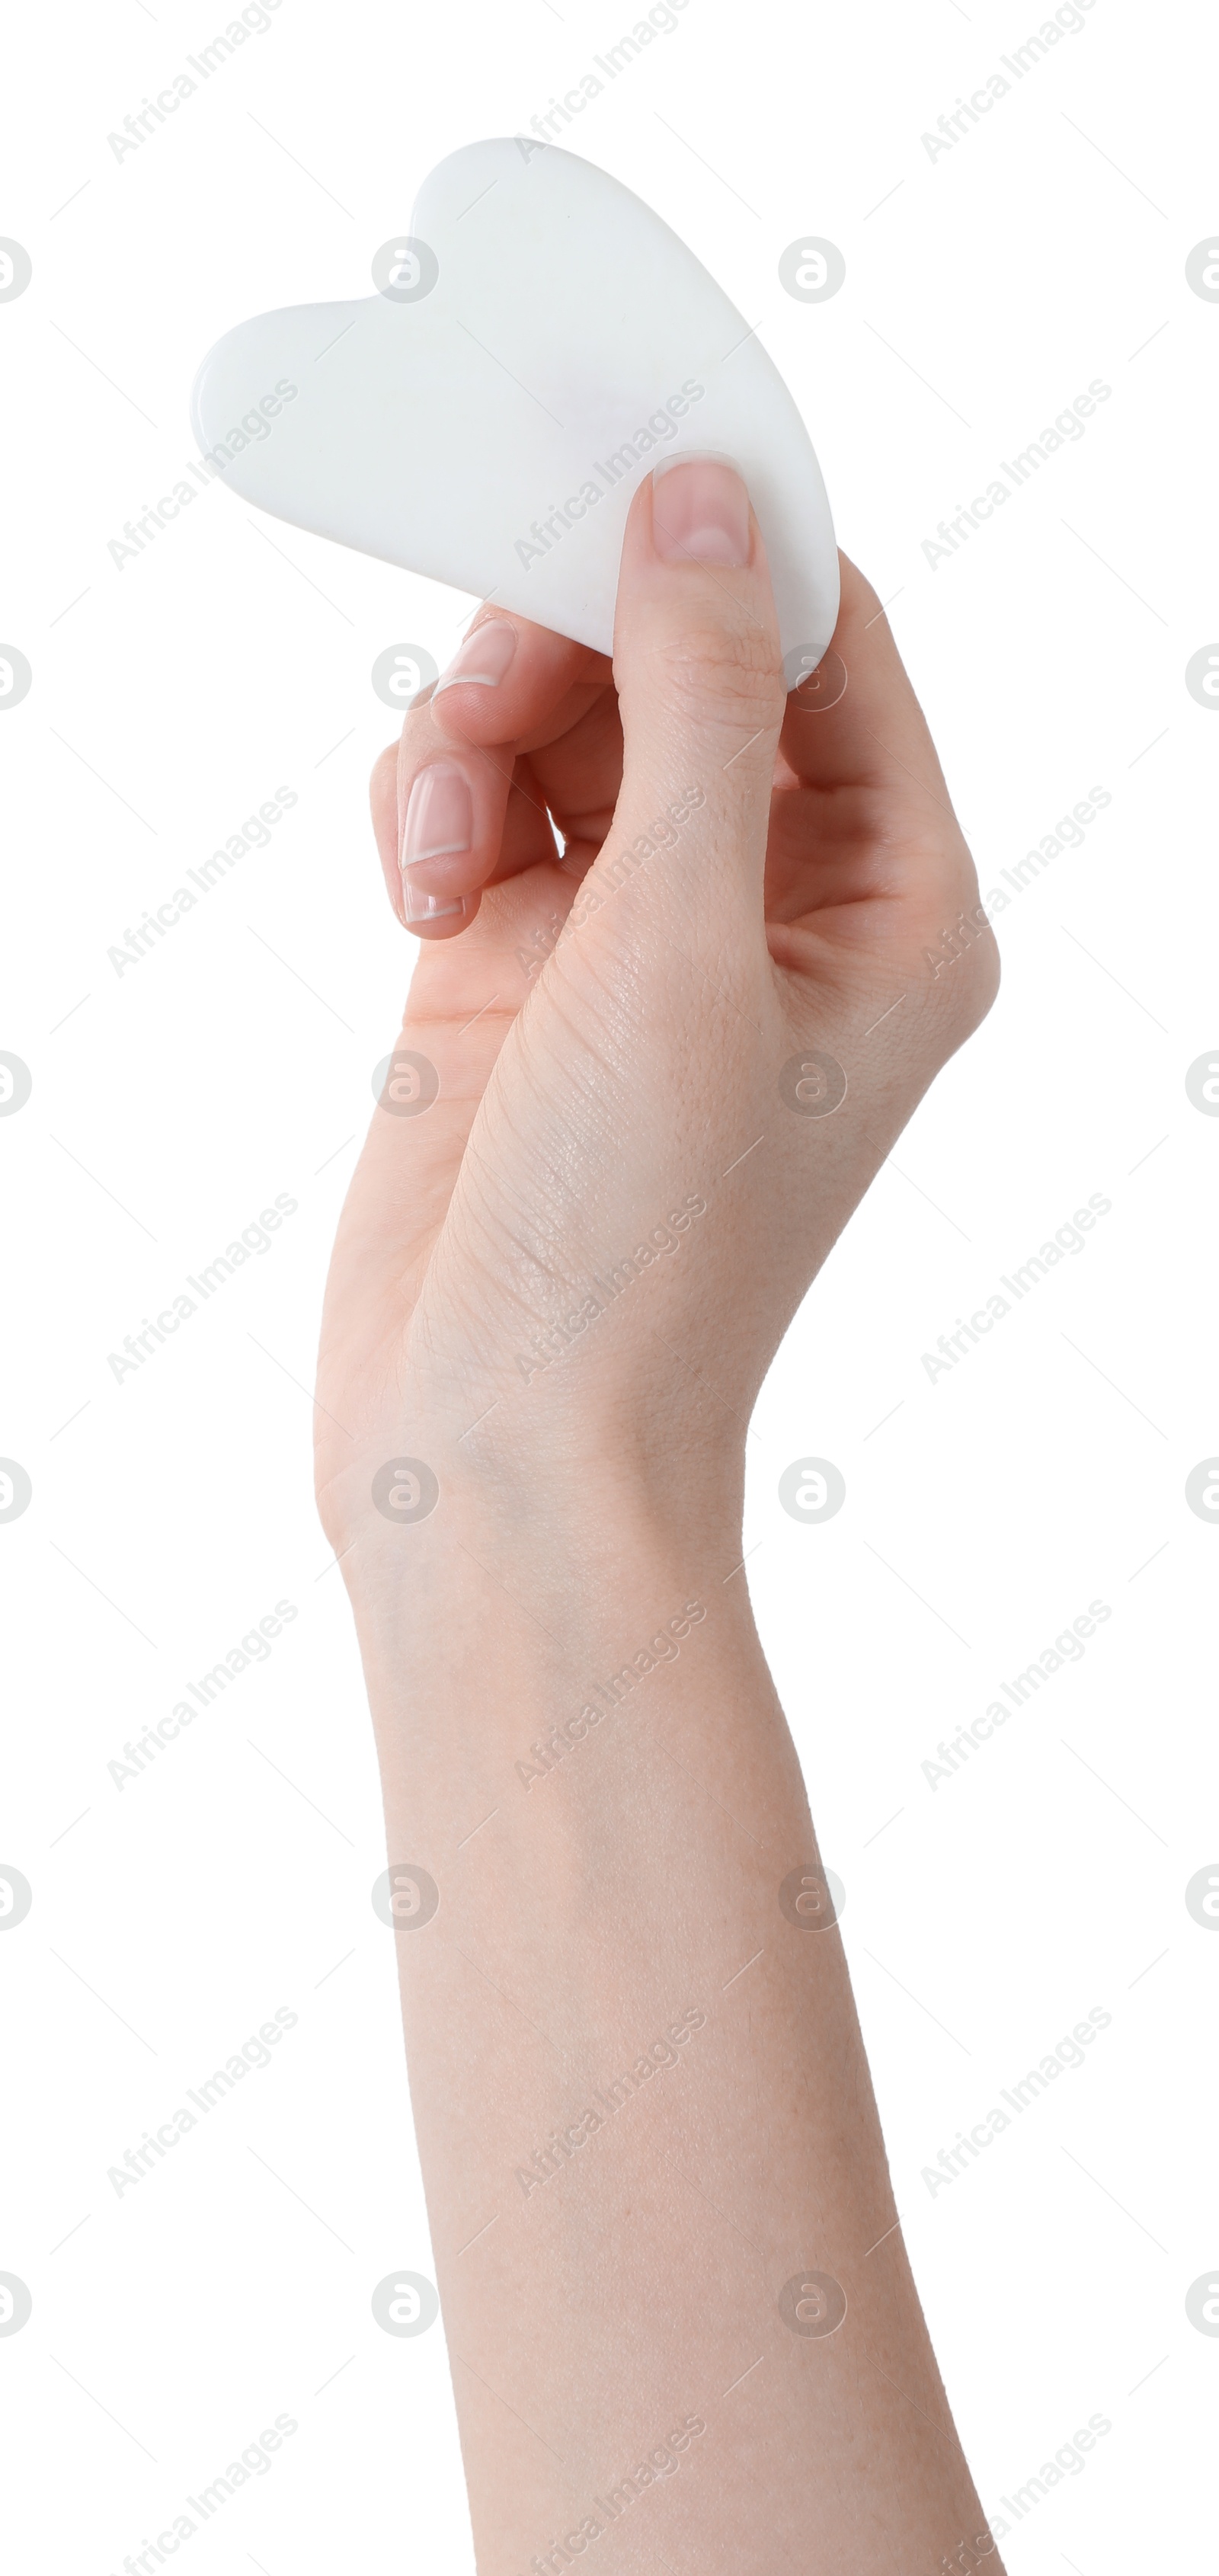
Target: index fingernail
482	660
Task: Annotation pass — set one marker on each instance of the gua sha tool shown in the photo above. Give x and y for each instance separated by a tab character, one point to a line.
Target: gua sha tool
538	342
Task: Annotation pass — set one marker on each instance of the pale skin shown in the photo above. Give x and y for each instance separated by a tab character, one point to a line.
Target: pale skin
604	2292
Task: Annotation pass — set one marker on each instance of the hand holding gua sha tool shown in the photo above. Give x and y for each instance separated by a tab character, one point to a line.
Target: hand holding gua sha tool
538	342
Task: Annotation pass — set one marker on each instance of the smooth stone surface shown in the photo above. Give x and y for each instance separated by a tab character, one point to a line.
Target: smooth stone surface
490	428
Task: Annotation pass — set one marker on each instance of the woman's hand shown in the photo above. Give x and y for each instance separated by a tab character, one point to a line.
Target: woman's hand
668	1063
642	1086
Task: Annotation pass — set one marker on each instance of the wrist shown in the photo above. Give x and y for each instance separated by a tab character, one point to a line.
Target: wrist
577	1493
575	1536
536	1576
524	1665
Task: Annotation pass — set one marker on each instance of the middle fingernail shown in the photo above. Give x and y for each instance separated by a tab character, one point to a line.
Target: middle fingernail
439	815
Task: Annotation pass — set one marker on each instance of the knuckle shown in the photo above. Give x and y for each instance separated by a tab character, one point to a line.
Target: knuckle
952	946
867	597
966	989
383	802
718	670
383	774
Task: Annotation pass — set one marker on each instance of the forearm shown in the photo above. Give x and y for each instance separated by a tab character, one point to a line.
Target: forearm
639	2234
613	2244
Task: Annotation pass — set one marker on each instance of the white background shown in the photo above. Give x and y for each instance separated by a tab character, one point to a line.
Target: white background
984	291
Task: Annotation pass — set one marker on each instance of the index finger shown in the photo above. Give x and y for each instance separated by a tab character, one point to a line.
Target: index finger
513	682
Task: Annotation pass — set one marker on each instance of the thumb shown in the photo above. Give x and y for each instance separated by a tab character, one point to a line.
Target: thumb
699	674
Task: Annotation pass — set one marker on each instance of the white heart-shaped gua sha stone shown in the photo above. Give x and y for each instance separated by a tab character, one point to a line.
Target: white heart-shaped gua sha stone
538	342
